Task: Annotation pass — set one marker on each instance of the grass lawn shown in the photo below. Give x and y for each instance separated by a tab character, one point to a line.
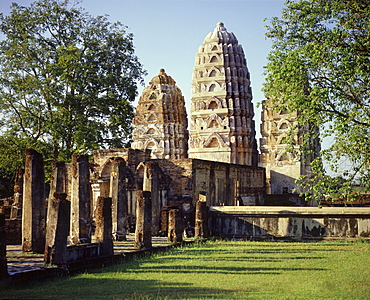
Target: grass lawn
224	270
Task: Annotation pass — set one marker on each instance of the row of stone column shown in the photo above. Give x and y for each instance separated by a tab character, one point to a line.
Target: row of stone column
172	221
34	216
58	229
46	231
35	220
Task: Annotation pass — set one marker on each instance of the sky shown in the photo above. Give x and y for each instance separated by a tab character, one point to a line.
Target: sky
168	33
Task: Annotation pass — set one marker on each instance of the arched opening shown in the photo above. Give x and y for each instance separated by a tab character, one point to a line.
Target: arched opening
284	126
212	88
213	143
214	59
151	146
151	118
151	107
153	96
212	74
213	123
213	105
150	131
214	48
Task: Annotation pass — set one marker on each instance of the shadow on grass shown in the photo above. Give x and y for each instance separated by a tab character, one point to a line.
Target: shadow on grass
222	270
109	288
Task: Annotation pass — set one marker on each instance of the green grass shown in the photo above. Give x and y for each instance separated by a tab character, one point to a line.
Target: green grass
224	270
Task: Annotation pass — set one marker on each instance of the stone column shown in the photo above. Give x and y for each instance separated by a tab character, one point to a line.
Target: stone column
33	220
119	199
143	231
164	219
58	216
151	184
95	190
201	220
175	226
80	200
3	263
103	222
16	211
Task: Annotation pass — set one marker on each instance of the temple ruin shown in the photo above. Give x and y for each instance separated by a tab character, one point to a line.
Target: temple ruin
170	177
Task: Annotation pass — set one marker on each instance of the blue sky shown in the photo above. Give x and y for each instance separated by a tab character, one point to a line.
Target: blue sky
167	33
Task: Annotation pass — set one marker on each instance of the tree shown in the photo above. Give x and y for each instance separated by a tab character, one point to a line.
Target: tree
67	79
319	65
12	157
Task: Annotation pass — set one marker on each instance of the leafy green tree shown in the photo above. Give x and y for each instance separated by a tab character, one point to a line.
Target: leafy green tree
319	65
67	79
12	157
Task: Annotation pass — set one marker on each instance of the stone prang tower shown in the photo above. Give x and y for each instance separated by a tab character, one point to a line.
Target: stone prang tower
284	167
222	127
160	121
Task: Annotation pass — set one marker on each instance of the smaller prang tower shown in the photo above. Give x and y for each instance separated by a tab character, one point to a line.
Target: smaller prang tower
284	167
222	126
160	121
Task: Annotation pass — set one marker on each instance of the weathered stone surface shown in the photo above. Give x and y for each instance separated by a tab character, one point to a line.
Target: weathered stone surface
143	232
160	122
151	184
3	262
175	226
58	216
16	211
104	161
81	225
228	184
290	223
59	211
118	194
103	222
13	229
201	219
283	167
34	205
222	127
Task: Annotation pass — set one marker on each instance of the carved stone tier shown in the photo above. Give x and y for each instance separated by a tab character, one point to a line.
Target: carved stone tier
160	121
222	127
283	167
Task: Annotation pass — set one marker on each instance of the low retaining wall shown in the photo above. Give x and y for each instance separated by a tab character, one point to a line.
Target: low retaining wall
289	223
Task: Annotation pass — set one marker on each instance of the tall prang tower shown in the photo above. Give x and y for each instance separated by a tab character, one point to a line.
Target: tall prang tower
160	121
222	126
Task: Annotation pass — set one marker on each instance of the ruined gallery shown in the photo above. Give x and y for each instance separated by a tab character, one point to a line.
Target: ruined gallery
209	175
218	156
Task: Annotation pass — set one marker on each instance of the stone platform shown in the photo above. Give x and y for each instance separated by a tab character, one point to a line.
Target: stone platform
27	266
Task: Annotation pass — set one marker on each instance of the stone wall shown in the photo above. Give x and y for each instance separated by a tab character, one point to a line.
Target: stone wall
131	156
222	183
228	184
13	230
180	171
289	223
